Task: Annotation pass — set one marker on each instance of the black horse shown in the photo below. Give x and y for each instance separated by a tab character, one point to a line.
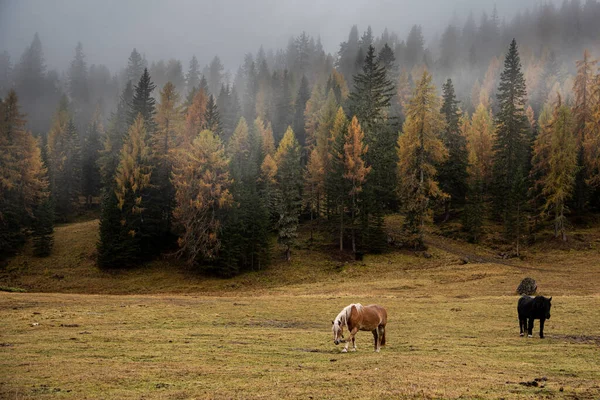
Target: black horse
530	308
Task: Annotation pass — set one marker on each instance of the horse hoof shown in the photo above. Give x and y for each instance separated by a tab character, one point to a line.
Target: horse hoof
529	336
522	334
353	349
377	351
344	350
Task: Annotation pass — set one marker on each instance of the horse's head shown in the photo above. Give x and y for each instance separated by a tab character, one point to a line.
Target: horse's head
338	332
547	306
543	305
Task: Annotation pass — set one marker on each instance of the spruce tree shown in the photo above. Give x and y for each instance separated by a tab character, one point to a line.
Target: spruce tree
245	243
583	112
202	193
336	187
64	153
289	186
92	146
23	182
370	102
511	146
135	66
558	180
355	171
299	108
132	194
213	117
193	76
453	172
420	149
143	103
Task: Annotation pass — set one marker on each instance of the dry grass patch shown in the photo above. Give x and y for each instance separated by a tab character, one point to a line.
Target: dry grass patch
128	347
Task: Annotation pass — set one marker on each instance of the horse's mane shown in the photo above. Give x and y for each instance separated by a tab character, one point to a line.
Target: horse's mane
344	315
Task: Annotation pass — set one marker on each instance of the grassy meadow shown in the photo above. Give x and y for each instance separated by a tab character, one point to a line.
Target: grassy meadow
164	332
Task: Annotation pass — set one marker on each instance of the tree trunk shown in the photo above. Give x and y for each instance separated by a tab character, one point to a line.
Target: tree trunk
342	227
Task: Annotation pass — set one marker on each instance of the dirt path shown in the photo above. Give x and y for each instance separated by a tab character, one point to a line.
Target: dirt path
450	246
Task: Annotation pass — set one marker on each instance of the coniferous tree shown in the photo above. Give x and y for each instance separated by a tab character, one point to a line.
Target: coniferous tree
64	153
289	185
163	142
23	183
90	172
135	66
143	103
480	139
245	243
213	117
453	172
511	146
557	154
582	88
420	149
336	187
201	180
193	76
591	142
78	86
370	102
355	171
299	108
132	180
195	119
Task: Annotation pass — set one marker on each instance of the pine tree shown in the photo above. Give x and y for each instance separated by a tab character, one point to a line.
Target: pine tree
370	102
245	243
193	76
480	139
591	142
23	183
201	180
143	103
511	146
336	186
90	171
314	186
299	108
289	185
163	142
582	110
453	172
559	180
135	66
420	149
78	85
195	120
355	170
132	189
64	153
213	117
371	96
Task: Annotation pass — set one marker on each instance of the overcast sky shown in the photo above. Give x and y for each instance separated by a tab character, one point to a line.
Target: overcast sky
109	29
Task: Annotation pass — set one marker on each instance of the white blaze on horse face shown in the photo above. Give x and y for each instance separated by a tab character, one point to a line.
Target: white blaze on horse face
338	332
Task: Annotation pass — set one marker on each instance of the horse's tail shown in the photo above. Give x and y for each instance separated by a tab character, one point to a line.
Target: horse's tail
383	337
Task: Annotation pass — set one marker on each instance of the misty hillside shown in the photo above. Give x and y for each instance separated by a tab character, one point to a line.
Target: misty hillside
484	126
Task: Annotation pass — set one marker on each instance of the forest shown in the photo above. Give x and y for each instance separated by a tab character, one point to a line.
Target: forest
493	125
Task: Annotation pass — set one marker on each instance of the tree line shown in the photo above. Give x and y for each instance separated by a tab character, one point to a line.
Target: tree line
214	178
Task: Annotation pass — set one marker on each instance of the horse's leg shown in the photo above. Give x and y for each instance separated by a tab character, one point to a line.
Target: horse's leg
375	339
353	342
530	328
542	328
522	326
350	339
380	334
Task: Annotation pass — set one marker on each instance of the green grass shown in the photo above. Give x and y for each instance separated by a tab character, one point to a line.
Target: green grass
171	333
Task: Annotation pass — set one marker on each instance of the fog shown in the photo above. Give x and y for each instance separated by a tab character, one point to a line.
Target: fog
230	28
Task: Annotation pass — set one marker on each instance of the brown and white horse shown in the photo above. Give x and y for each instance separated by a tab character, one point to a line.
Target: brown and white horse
357	317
